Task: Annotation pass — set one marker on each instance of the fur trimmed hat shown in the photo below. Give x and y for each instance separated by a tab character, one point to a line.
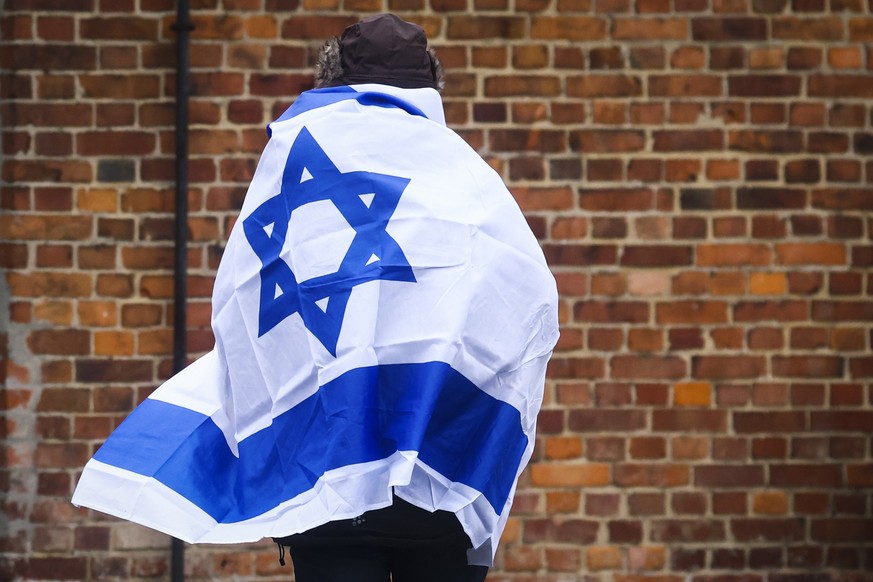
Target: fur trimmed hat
379	49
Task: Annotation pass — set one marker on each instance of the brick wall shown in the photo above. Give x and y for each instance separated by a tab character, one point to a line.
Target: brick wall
699	173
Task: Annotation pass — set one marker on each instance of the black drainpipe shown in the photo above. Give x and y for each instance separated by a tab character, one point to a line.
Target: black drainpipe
182	27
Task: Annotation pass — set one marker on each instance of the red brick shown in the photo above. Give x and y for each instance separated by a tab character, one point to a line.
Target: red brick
566	475
645	340
724	503
646	503
728	366
64	400
848	199
612	312
605	420
573	254
842	311
841	421
506	86
563	560
757	311
115	143
576	367
601	85
806	476
692	312
650	367
650	29
842	529
57	568
695	531
53	115
770	421
722	476
51	57
689	420
859	475
811	253
688	140
762	141
729	29
60	341
272	85
581	28
119	28
118	370
656	256
819	28
764	85
844	85
651	475
120	86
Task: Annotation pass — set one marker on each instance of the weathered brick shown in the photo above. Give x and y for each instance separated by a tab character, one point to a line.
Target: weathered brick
510	86
119	370
579	28
60	341
650	29
651	475
656	256
764	85
45	227
845	85
842	311
129	143
806	476
767	141
685	85
600	558
56	57
119	28
649	367
689	420
575	475
820	28
49	284
727	366
757	311
465	27
695	531
729	29
688	140
692	312
120	86
764	422
850	421
692	394
729	476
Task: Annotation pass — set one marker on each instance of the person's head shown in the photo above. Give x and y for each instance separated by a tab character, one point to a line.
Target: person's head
379	49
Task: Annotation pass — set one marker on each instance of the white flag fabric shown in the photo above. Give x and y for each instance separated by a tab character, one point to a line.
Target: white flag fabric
383	317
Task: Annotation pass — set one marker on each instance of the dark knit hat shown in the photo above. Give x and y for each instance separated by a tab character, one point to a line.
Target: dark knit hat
385	49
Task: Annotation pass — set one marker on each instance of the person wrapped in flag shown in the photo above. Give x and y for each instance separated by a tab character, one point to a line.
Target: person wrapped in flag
383	317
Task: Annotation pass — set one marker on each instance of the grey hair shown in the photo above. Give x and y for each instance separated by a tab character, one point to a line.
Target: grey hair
329	69
437	67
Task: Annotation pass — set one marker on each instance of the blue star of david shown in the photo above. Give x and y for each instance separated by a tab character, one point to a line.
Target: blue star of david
366	200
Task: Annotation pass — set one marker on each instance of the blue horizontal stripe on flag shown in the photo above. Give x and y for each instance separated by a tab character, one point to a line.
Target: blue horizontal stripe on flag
365	415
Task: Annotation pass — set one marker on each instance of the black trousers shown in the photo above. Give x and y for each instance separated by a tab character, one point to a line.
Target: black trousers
400	543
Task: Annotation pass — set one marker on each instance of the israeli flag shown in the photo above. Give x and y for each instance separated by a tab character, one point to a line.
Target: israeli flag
383	317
